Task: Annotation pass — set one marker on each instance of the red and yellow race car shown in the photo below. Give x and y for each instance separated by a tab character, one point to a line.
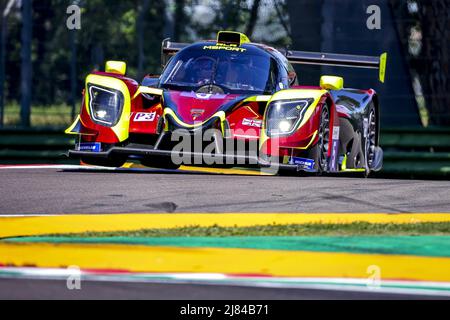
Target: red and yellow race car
231	102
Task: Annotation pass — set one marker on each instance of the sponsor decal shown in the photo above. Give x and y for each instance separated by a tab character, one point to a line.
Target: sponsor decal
197	113
336	131
221	46
366	127
335	149
305	164
91	146
252	123
145	117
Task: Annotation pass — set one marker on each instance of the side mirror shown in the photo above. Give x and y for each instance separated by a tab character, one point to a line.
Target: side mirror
331	83
117	67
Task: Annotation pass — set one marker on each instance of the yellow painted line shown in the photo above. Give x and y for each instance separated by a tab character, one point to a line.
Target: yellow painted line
229	261
29	226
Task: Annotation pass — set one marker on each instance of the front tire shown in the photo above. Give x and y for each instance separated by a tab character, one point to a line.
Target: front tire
323	145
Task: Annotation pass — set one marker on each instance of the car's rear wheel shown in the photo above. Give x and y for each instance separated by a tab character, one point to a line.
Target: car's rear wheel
371	140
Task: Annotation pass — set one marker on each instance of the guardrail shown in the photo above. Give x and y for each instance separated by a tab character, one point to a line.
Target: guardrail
409	152
34	146
416	152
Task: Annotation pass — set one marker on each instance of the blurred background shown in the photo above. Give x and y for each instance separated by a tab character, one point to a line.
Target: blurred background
46	53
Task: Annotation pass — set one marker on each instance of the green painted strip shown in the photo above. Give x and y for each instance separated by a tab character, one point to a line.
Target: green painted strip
434	246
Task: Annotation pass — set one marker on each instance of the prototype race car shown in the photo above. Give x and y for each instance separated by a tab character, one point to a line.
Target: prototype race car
231	102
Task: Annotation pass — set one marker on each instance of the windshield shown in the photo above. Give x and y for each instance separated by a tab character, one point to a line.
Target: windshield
231	71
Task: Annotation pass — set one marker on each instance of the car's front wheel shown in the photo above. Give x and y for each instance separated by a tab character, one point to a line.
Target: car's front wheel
320	150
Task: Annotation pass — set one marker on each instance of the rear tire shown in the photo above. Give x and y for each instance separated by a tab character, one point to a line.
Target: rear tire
370	141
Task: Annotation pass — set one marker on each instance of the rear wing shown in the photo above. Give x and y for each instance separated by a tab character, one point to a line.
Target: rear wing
169	49
340	60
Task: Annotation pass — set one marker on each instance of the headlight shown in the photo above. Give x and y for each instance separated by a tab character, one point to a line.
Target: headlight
284	116
105	105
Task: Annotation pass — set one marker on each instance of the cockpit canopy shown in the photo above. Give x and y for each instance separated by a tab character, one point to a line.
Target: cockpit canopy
229	69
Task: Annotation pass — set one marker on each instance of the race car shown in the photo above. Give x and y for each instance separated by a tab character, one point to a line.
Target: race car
231	102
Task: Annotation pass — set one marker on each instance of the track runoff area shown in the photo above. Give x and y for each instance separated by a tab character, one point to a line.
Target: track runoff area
90	248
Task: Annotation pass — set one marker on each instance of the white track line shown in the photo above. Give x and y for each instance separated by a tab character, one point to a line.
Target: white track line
80	168
333	284
34	167
29	215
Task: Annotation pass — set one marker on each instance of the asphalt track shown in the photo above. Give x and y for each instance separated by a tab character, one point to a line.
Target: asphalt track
56	289
71	191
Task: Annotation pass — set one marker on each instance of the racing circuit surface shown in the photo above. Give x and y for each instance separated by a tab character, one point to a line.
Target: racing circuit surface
49	289
77	190
70	191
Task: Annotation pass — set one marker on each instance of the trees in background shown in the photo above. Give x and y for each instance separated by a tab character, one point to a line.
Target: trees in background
109	30
424	28
132	31
129	30
26	63
305	22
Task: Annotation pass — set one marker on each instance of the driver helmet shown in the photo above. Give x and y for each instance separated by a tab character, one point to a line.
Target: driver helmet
238	69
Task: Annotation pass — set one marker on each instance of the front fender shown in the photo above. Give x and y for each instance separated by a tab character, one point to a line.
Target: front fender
121	129
306	134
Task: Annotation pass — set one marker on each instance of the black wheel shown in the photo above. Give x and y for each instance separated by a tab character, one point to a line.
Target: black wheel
371	140
113	162
160	162
323	144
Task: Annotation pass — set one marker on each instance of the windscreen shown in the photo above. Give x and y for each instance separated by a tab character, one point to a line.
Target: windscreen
236	72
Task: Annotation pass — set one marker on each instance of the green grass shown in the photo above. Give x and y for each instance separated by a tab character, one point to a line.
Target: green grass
41	116
354	229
